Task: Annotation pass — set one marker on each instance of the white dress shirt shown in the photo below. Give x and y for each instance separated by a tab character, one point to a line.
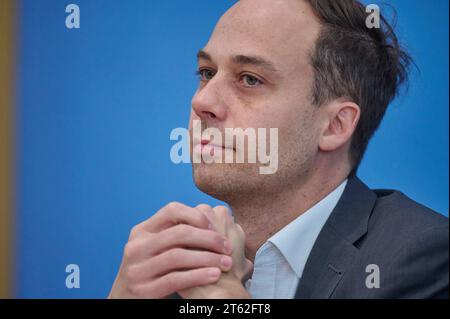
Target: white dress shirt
279	263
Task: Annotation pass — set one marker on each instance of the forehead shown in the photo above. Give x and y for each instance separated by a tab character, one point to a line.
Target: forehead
283	31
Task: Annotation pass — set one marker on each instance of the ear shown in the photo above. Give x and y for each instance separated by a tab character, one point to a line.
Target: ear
340	120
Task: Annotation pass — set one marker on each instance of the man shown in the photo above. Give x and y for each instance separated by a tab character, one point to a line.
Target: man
314	70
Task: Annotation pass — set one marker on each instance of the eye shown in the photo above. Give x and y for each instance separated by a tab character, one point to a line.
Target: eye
205	74
251	81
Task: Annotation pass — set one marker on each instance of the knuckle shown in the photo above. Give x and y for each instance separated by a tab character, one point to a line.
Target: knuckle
173	206
222	211
206	218
221	208
135	248
136	290
134	231
204	211
218	240
131	288
182	230
175	255
171	281
204	207
128	251
131	276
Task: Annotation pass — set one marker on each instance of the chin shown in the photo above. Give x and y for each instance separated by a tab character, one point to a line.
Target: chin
210	179
225	182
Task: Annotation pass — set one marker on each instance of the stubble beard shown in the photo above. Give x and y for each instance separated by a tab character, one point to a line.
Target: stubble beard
242	183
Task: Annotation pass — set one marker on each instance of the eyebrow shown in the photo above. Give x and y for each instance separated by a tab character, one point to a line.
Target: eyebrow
242	60
203	55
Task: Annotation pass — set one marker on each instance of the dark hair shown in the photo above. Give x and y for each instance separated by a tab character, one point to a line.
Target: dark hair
366	65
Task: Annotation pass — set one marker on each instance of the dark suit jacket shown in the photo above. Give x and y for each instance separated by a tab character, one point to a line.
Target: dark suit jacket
407	241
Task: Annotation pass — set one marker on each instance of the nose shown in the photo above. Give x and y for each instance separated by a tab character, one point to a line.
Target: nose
208	103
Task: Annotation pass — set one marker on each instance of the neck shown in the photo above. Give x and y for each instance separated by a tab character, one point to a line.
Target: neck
260	218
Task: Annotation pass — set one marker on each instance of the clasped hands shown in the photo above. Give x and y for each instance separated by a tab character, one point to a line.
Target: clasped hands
195	252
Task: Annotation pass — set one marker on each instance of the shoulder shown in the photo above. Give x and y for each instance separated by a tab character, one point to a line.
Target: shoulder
394	210
410	243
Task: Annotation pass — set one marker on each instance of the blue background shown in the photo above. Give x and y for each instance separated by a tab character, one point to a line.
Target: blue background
96	106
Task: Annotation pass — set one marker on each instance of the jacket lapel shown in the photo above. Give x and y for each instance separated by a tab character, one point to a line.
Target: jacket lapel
334	248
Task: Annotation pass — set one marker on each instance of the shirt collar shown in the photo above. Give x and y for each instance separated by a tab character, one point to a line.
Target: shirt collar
296	240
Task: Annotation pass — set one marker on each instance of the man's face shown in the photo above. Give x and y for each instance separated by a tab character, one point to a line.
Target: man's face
255	73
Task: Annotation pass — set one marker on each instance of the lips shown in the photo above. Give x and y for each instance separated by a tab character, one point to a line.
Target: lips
206	147
205	142
208	143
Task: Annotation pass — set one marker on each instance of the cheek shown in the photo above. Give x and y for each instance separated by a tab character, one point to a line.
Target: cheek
298	133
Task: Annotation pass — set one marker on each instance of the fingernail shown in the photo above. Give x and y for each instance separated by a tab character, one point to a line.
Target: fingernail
226	261
227	246
214	273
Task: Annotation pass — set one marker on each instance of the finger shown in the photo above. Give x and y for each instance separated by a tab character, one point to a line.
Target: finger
224	213
191	237
222	219
205	208
176	260
173	214
176	281
182	236
209	213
